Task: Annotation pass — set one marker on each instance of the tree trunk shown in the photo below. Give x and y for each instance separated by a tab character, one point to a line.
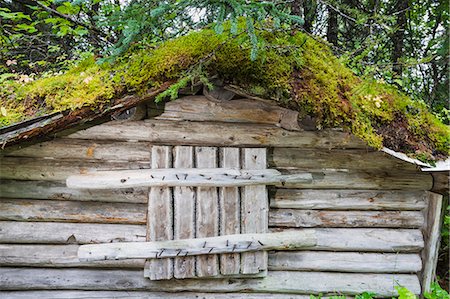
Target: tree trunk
400	7
332	28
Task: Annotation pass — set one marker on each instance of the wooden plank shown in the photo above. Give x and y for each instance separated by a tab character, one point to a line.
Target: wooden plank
184	211
197	246
321	218
55	256
199	108
230	212
432	234
67	148
254	210
160	216
72	211
355	262
376	180
183	177
57	170
207	209
365	239
218	134
69	233
59	191
360	159
348	199
140	295
290	282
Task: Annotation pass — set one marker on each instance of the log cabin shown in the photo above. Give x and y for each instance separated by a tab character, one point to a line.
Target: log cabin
217	194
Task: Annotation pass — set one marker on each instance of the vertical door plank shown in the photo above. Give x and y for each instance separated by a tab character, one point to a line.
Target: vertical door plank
207	224
254	215
160	212
184	209
230	211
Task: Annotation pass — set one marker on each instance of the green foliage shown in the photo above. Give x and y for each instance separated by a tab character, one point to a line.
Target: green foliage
436	292
404	293
365	295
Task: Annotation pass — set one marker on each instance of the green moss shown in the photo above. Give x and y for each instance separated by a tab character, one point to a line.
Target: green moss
293	69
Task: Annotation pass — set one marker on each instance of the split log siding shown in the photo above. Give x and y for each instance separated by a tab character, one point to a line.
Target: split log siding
366	209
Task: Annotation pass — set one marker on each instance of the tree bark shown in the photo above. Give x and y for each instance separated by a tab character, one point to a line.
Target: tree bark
400	7
332	28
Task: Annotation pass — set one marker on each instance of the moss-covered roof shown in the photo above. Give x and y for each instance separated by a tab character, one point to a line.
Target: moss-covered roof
291	68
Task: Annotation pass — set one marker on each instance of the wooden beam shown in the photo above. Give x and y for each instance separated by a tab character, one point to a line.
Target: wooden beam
281	282
72	211
348	199
170	177
432	235
57	190
218	134
198	246
321	218
354	262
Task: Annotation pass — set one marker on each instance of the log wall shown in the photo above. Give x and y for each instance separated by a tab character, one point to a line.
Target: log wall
367	209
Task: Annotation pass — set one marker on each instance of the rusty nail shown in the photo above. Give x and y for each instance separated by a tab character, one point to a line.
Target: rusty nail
179	251
177	176
163	178
234	247
260	243
204	245
211	249
249	244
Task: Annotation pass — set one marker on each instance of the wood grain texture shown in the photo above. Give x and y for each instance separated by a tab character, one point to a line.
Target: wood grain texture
184	211
336	159
321	218
72	211
276	281
73	149
69	233
199	108
55	256
348	199
432	235
207	209
141	295
254	206
354	262
160	216
57	170
217	134
230	211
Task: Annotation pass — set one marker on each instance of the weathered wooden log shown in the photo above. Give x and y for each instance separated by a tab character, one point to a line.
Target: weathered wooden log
348	199
170	177
69	233
302	158
343	179
59	190
57	170
276	281
320	218
55	256
199	108
217	134
67	148
432	235
198	246
355	262
140	295
72	211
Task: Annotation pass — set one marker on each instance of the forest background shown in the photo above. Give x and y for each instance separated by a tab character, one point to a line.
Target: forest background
401	42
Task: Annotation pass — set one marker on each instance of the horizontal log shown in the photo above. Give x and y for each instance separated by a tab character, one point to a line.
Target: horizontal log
69	233
19	168
72	211
329	239
67	148
59	190
276	281
198	246
378	180
336	159
55	256
320	218
140	295
348	199
217	134
345	262
199	108
178	177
